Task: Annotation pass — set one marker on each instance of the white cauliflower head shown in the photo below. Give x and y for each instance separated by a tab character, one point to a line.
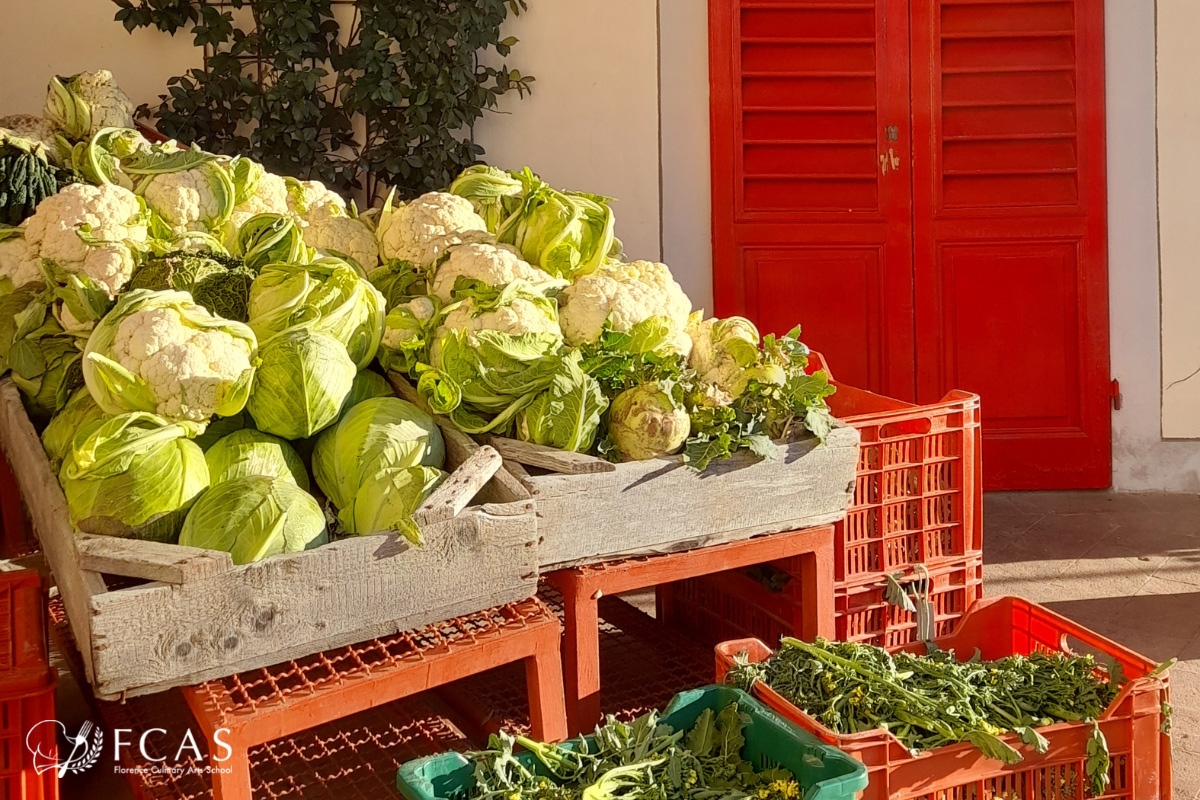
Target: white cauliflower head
83	104
89	230
343	235
516	316
722	351
311	200
160	352
18	262
196	199
270	196
622	295
492	265
413	231
37	129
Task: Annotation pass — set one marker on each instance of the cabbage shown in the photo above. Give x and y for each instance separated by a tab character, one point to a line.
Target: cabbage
251	452
220	427
329	295
303	379
398	281
387	499
567	414
376	435
133	475
254	517
219	282
270	238
367	384
49	378
80	410
647	422
565	233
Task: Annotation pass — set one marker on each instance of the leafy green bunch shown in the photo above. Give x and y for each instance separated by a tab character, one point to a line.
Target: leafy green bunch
641	760
932	700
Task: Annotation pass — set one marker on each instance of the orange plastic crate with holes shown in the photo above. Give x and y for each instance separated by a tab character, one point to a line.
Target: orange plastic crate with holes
24	643
26	718
766	603
1133	724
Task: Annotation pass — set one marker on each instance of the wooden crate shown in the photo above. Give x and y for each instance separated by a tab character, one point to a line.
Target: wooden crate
591	510
200	617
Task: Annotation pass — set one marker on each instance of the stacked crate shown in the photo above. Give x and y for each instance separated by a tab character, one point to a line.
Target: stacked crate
916	516
27	685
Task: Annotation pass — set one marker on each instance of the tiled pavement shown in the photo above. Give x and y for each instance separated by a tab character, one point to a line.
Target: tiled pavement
1125	565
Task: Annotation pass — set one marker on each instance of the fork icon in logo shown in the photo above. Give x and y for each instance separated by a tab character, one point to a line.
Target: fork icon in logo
85	748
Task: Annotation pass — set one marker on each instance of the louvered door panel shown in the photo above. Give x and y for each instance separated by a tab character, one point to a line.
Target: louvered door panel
802	94
1009	226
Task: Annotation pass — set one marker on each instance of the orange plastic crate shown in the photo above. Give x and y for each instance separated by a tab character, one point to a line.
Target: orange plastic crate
1132	725
20	711
24	643
739	605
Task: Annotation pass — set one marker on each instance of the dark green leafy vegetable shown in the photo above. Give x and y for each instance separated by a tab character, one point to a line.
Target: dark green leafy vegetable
641	760
26	178
219	282
934	700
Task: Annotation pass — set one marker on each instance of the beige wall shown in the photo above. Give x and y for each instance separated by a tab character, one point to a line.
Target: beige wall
1179	214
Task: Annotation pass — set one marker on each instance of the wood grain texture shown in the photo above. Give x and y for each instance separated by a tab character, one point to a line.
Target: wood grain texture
661	506
176	632
460	488
154	561
48	510
551	458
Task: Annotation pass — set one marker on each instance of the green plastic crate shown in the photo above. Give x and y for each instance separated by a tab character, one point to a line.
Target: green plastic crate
771	741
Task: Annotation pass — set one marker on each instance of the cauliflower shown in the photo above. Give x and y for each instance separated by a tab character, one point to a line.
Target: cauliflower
622	295
646	422
200	198
310	200
83	104
405	322
490	264
40	130
342	235
160	352
722	351
18	262
413	231
270	196
109	216
524	312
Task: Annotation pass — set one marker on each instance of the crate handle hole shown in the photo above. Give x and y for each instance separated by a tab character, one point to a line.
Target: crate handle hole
907	428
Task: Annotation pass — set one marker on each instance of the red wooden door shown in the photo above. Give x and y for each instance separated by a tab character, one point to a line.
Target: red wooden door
921	184
1009	230
806	183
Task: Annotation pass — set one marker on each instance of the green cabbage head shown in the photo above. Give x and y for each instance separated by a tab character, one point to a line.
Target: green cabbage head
302	381
134	475
376	435
647	422
80	410
329	295
251	452
386	500
367	384
270	238
254	517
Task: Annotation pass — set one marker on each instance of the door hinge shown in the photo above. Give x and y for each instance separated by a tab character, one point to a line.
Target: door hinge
1114	393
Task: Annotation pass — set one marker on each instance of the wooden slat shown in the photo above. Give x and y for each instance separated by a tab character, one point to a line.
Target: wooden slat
48	509
154	561
551	458
458	490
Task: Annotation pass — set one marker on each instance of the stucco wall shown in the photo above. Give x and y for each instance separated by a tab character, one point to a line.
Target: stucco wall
594	123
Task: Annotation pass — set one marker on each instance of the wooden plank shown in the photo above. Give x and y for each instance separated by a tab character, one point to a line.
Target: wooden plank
48	509
458	490
551	458
155	561
661	506
151	637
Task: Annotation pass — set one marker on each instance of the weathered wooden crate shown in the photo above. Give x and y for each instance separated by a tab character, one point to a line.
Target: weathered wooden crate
198	616
591	510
